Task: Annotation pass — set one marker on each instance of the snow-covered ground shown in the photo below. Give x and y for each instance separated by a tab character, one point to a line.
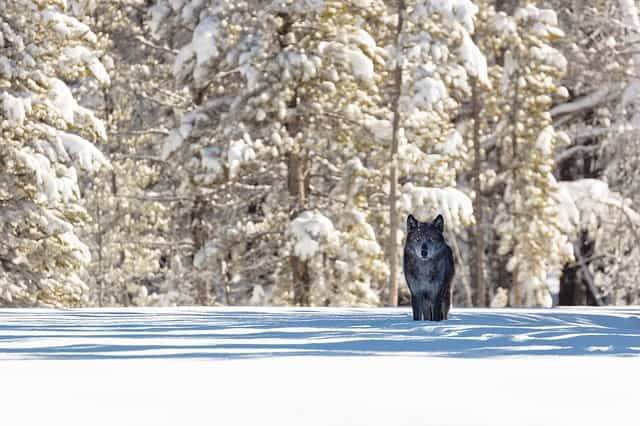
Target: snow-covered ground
280	366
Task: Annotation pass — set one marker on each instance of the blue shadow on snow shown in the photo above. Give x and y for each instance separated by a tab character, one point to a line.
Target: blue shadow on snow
245	333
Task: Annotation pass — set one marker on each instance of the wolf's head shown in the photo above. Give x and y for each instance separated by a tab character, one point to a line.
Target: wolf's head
425	239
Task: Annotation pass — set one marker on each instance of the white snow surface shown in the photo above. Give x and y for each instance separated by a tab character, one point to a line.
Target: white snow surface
319	366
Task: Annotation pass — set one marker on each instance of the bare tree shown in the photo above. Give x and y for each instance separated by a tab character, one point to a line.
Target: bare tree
477	267
393	193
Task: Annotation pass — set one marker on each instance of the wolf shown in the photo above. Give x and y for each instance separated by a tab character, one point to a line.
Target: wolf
428	269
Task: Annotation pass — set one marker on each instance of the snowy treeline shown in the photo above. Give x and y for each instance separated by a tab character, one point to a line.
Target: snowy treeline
267	152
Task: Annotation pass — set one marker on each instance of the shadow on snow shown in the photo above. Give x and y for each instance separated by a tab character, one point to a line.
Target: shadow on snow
255	333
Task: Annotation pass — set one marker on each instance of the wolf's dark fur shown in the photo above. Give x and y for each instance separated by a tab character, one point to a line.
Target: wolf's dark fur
428	269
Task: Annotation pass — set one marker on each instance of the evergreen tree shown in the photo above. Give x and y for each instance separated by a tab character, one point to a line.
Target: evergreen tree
46	138
526	219
136	250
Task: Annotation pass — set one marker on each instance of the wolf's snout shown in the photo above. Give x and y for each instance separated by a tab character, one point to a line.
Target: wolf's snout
424	250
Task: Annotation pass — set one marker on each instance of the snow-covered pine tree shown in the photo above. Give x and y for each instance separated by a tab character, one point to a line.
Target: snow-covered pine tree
606	259
600	115
291	118
439	63
135	250
526	220
282	90
45	138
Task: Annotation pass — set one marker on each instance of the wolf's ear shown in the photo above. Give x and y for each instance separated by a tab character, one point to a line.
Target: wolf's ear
439	223
412	223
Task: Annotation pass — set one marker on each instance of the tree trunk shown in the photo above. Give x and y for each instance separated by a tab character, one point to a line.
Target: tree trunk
515	283
393	172
516	301
507	6
296	172
297	183
584	248
631	20
100	250
468	302
227	276
199	236
478	281
108	110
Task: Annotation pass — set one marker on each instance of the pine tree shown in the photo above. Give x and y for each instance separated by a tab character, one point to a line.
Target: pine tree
440	61
600	115
281	92
135	252
46	137
526	220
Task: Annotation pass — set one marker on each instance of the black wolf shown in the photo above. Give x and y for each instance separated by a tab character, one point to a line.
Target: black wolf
428	269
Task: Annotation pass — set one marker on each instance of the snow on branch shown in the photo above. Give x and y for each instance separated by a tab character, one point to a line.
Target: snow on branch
15	108
426	203
83	152
310	230
586	202
586	102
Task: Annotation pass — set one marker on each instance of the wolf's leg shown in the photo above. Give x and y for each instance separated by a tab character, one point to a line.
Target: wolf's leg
414	307
446	301
420	306
428	309
437	310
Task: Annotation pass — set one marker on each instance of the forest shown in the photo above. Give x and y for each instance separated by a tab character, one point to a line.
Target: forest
268	152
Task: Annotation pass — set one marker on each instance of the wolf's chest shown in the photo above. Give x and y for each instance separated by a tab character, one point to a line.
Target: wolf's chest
421	272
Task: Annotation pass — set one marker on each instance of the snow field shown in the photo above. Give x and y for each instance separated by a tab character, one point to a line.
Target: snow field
278	366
